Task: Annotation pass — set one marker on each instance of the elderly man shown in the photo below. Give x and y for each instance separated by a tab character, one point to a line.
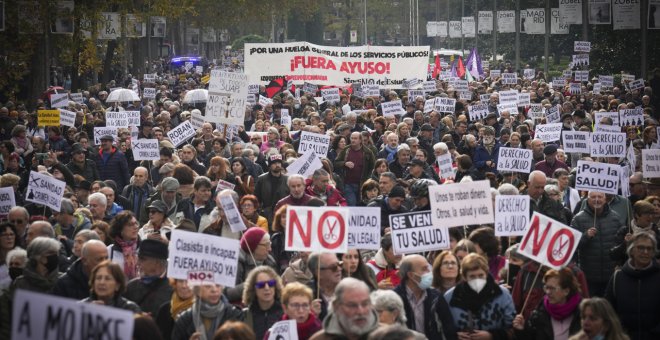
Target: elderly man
168	194
357	163
98	203
320	188
271	186
326	274
112	208
69	224
20	218
151	289
138	192
112	163
399	165
75	283
297	195
352	316
638	187
537	150
598	225
421	301
540	201
550	163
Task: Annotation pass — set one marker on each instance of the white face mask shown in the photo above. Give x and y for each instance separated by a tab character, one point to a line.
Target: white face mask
488	139
477	284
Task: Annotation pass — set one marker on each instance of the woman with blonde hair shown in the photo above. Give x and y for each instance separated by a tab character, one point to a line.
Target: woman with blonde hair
599	321
297	305
169	312
261	296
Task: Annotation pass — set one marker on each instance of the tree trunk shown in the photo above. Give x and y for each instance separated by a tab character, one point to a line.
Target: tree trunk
107	62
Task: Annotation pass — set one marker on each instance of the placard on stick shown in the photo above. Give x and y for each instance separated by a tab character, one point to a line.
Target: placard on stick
45	190
364	228
511	215
514	159
461	204
317	229
414	232
600	177
549	242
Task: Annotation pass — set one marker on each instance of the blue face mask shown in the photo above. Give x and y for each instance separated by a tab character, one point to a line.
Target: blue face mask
149	279
425	281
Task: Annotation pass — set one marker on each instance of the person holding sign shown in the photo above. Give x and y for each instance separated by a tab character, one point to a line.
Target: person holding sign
108	283
481	309
297	304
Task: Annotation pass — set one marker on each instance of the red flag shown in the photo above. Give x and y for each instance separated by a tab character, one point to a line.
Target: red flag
437	69
460	68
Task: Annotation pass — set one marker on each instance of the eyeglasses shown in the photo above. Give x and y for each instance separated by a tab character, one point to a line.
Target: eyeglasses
303	306
266	244
16	221
262	284
449	263
644	249
333	267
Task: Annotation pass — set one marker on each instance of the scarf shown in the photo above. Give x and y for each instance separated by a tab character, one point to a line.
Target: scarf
307	328
178	305
467	299
129	250
42	283
490	146
204	314
391	152
561	311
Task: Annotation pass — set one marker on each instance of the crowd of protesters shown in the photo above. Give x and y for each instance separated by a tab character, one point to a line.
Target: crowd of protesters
108	244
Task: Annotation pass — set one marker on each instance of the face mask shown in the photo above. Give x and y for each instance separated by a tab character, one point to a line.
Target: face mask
488	140
581	100
477	284
149	279
297	106
425	281
52	262
15	272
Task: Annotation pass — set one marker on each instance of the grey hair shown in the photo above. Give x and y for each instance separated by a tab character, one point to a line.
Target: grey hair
440	146
85	248
229	192
255	149
318	173
26	214
294	177
494	192
536	173
391	301
247	152
351	115
390	175
508	189
348	283
41	245
16	252
550	187
45	228
412	140
98	197
406	266
88	235
644	235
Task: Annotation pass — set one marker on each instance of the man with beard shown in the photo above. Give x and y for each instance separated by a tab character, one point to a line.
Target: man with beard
352	316
271	186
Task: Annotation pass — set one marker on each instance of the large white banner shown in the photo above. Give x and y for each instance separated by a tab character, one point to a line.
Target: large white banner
532	21
625	15
303	62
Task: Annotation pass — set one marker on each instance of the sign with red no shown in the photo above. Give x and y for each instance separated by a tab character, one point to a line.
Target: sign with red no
323	229
549	242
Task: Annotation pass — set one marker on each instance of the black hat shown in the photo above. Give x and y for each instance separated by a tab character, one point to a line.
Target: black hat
158	205
549	149
427	127
153	248
564	116
397	191
107	137
579	113
417	162
491	116
85	185
77	148
272	159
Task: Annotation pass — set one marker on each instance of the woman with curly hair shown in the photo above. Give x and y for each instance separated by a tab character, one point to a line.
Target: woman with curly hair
261	296
244	181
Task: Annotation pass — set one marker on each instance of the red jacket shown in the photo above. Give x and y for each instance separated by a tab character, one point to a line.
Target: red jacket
333	196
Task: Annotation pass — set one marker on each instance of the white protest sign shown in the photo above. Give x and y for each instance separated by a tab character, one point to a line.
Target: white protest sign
478	111
392	108
637	84
633	117
624	178
582	75
429	105
606	81
415	232
228	92
461	204
511	215
264	101
411	83
576	141
196	120
494	74
626	78
116	120
608	144
524	99
149	78
548	132
253	89
553	114
316	141
651	163
103	131
510	96
601	177
371	90
8	201
45	190
233	215
133	117
444	104
67	118
536	110
43	316
283	330
429	86
484	98
305	165
197	252
181	133
580	60
146	150
413	94
509	78
447	171
58	100
528	73
597	88
608	128
461	86
322	229
575	88
514	159
77	97
310	88
612	115
582	46
199	69
364	228
149	93
549	242
331	95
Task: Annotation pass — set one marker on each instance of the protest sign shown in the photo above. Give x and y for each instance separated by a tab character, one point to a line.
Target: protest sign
196	120
7	200
461	86
310	88
447	171
303	62
601	177
627	78
494	74
524	99
536	110
67	118
444	104
484	98
149	93
612	115
149	78
146	150
580	60
317	229
371	90
559	82
478	111
392	108
509	78
316	141
364	228
597	88
624	178
514	159
532	21
506	21
511	108
549	242
42	316
582	46
77	97
116	119
305	165
637	84
197	252
575	88
608	144
181	133
571	12
253	89
606	81
553	114
45	190
103	131
511	215
485	22
232	213
48	117
510	96
331	95
58	100
227	97
133	117
548	132
651	163
576	141
608	128
415	232
265	101
429	105
528	73
283	330
582	75
628	117
461	204
411	83
413	94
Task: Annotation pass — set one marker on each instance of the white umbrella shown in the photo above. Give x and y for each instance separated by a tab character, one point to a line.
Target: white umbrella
122	95
196	96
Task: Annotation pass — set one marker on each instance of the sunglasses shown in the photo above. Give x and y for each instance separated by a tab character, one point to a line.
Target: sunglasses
262	284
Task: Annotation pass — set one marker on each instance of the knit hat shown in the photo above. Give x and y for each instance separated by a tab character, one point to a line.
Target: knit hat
170	184
251	239
397	191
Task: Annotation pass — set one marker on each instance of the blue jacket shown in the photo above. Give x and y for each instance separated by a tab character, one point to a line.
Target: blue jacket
114	167
481	155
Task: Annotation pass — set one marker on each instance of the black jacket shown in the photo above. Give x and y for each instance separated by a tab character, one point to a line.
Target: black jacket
184	326
435	310
149	296
385	211
89	170
261	320
118	302
245	265
74	284
539	325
